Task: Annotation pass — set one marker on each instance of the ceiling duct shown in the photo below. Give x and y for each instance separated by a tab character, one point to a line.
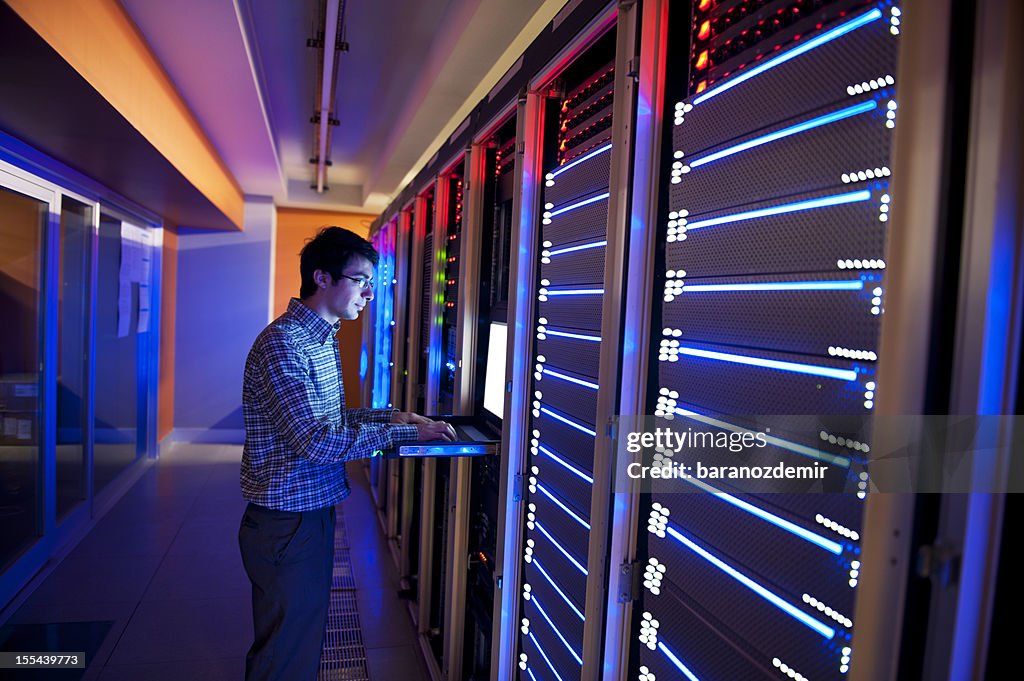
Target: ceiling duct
329	40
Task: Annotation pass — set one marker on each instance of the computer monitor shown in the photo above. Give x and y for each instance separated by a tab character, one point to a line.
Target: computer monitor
494	375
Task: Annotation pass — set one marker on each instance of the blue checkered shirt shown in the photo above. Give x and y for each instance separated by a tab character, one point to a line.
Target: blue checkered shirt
298	433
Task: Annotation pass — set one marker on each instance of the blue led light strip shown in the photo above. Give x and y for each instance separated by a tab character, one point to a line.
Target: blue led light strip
577	336
559	547
572	469
812	369
835	200
561	593
530	672
576	292
792	528
771	439
581	247
839	115
578	204
533	599
677	662
783	605
826	37
855	285
545	656
577	426
562	506
581	159
564	377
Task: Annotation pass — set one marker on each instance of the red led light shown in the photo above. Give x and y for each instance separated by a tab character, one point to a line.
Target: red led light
704	5
702	60
702	86
705	30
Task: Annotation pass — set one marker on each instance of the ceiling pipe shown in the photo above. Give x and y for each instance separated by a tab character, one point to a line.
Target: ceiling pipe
329	51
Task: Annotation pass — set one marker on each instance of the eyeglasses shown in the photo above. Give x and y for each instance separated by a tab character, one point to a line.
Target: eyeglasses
363	284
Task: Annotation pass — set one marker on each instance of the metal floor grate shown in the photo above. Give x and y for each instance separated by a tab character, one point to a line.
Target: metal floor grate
343	657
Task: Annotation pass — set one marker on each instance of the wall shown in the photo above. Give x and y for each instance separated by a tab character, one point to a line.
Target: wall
223	302
165	400
294	228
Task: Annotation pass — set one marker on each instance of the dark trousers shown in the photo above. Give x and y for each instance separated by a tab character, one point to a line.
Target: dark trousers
289	558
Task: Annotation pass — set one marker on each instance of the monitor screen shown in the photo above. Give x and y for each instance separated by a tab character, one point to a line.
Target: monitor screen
494	377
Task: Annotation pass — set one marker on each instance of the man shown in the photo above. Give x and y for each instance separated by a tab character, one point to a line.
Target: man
298	436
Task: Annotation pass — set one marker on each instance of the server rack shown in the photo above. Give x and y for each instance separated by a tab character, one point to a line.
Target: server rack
380	336
571	265
399	374
778	153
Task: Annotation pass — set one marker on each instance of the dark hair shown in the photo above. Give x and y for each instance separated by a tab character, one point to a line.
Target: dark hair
331	250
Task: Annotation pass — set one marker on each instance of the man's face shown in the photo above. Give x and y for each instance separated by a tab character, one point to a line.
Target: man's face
344	298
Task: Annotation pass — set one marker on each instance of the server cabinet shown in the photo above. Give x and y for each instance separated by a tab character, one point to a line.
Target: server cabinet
573	273
772	284
380	336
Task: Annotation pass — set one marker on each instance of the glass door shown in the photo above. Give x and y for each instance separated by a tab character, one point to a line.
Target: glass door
24	211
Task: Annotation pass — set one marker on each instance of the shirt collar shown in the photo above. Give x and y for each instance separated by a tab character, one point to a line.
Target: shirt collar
316	325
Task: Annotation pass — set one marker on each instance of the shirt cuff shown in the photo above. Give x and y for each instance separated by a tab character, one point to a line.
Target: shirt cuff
403	432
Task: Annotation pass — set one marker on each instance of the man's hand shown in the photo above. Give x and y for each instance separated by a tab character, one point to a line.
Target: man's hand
409	417
435	430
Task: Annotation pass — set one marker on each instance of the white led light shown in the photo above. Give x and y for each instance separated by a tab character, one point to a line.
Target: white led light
890	124
846	178
868	404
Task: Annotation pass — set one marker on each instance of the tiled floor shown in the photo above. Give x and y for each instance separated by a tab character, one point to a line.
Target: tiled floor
163	566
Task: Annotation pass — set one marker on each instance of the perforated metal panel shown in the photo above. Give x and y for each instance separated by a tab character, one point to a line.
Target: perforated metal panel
772	294
383	315
564	389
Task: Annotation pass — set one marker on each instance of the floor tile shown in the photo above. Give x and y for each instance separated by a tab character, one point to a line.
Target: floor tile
185	629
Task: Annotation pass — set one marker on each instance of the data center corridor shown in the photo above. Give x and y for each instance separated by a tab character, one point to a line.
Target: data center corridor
156	590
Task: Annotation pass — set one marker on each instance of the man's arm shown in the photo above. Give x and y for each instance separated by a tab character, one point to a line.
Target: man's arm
288	398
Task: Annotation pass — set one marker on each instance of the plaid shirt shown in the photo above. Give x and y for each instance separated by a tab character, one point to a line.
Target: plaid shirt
298	433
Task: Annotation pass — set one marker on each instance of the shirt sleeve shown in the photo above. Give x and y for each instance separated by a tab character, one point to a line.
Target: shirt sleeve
288	398
369	415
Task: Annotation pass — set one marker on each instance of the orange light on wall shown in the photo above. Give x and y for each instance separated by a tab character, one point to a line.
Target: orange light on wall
702	86
705	30
702	60
704	5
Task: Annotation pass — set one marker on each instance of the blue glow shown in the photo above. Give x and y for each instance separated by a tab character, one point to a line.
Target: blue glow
566	464
837	199
581	159
564	377
827	36
530	672
839	115
577	336
536	603
561	593
578	204
571	249
777	601
856	285
562	506
813	370
559	547
676	661
569	422
577	292
771	439
805	534
545	656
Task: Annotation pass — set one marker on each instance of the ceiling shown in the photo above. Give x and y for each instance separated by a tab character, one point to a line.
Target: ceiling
243	68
